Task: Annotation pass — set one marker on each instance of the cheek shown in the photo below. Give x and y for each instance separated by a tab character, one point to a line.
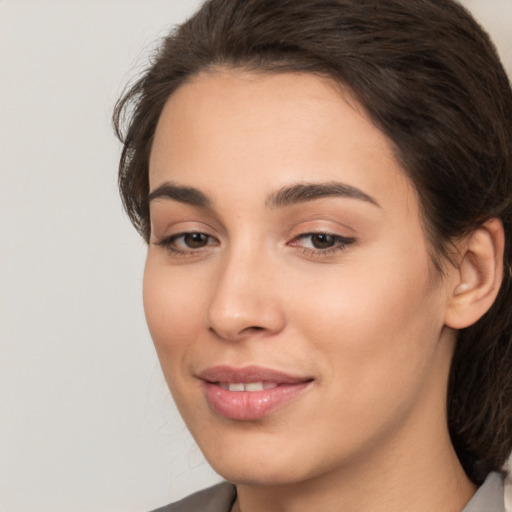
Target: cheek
173	311
376	323
174	316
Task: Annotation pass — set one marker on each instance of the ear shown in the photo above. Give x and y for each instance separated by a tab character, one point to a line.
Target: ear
475	282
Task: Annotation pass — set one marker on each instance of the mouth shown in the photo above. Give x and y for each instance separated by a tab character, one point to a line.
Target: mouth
249	393
251	387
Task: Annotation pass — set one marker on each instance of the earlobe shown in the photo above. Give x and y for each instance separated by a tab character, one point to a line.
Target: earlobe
477	279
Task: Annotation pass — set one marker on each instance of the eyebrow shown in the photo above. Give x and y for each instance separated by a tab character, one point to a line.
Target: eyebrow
286	196
187	195
304	192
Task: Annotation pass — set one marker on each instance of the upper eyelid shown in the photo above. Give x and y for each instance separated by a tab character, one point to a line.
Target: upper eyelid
331	232
301	234
303	228
339	238
164	230
322	223
176	236
322	232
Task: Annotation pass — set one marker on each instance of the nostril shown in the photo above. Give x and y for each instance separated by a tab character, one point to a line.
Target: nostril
237	335
253	329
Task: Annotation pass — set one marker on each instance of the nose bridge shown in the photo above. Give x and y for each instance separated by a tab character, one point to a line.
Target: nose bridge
244	300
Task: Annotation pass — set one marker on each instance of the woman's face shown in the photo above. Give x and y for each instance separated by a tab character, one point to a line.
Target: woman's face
288	287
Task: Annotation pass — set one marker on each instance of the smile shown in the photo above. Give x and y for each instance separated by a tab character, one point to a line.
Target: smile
250	386
249	393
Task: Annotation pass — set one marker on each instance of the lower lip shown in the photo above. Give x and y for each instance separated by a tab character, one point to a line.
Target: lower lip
250	405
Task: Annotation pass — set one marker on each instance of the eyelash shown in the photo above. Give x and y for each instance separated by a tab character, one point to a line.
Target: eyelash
170	244
339	244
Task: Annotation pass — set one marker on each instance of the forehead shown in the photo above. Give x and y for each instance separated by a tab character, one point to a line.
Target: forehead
251	131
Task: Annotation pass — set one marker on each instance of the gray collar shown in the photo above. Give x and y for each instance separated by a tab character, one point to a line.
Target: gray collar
490	496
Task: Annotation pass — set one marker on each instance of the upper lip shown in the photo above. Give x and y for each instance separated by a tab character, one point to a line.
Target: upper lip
230	374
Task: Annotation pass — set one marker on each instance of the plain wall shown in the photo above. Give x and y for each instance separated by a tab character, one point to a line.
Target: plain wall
86	423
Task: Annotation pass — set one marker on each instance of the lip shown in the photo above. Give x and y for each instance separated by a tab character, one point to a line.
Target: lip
250	405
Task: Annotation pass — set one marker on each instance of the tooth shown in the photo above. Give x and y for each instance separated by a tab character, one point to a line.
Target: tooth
254	386
269	385
224	385
236	387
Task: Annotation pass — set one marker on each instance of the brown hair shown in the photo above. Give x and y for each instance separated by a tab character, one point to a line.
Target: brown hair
431	80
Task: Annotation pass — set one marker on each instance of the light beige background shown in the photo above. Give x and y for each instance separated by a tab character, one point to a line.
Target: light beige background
86	423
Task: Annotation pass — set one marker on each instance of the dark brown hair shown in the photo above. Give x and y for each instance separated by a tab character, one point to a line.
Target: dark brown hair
430	79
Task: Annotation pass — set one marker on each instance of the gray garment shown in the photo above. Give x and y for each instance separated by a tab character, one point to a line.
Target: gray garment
490	497
219	498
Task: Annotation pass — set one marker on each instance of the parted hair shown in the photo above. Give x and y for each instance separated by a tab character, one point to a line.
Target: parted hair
430	79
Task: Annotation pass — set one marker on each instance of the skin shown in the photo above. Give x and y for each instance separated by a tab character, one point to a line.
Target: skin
366	319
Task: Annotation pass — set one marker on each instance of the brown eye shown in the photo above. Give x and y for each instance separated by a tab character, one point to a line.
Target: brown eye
318	245
189	243
322	240
195	240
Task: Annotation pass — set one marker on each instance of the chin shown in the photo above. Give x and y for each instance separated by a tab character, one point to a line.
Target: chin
252	473
262	458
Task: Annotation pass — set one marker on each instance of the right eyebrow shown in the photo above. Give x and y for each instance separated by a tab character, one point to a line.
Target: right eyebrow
187	195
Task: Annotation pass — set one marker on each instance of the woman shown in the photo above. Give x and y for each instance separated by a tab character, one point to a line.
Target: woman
325	187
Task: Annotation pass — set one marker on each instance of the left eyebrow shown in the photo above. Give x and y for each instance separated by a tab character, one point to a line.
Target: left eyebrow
304	192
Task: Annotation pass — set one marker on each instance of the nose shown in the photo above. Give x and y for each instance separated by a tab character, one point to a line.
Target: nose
244	302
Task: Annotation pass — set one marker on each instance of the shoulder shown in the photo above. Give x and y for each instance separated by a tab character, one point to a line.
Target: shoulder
218	498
